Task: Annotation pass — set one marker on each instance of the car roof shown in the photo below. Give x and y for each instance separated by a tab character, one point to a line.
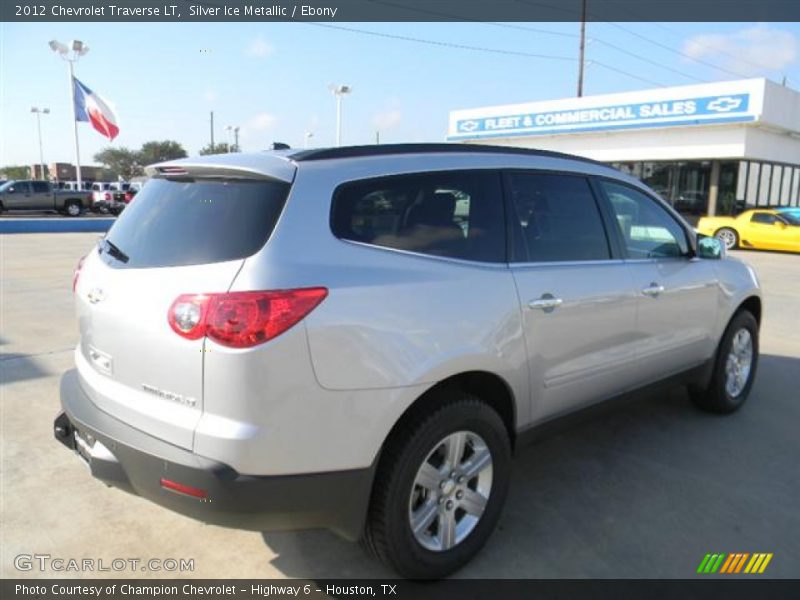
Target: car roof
282	164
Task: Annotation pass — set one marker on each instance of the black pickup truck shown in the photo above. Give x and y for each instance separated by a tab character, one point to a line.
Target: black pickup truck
40	196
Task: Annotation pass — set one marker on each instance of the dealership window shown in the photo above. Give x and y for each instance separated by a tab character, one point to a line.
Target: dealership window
794	199
775	188
786	184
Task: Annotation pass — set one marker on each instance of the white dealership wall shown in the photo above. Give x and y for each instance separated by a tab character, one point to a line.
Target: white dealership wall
751	118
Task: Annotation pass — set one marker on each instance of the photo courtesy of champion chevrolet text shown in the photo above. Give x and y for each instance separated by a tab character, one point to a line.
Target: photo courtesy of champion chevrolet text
399	298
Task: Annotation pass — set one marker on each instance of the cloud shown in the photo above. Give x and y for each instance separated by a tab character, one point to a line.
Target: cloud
209	95
260	48
387	119
261	121
750	51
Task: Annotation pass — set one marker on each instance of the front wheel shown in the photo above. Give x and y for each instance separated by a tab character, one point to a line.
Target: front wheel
734	367
440	487
727	236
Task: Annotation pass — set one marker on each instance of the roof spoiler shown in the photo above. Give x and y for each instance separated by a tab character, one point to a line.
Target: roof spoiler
227	166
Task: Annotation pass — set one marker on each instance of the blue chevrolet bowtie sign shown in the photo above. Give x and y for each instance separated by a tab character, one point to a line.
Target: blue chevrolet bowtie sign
665	113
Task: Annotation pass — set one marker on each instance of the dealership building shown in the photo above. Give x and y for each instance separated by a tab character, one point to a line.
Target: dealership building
708	149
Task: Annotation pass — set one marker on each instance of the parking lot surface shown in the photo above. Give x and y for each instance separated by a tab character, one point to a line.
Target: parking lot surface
644	491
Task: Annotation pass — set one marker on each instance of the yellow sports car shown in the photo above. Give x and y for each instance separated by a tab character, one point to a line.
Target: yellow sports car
761	228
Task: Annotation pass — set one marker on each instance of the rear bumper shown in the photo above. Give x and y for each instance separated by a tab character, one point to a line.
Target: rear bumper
129	459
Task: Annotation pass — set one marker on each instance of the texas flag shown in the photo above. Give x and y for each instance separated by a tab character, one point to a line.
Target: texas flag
91	107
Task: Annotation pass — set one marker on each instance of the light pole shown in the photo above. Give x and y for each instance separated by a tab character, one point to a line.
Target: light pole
78	49
308	136
235	131
339	91
40	111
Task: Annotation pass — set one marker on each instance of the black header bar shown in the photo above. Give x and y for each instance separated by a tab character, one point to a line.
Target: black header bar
396	10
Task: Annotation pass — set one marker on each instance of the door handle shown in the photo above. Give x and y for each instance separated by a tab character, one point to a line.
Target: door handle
653	290
547	303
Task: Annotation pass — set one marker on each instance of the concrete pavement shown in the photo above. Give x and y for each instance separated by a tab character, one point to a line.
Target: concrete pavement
644	491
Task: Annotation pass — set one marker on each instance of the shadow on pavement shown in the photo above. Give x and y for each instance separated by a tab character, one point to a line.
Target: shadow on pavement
19	367
642	492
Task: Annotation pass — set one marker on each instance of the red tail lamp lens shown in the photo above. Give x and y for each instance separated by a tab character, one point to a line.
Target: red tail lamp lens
77	273
242	319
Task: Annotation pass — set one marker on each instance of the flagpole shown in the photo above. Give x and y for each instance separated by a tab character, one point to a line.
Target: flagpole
75	125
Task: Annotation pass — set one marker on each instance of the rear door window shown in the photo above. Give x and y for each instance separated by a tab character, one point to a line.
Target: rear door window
454	214
557	217
196	221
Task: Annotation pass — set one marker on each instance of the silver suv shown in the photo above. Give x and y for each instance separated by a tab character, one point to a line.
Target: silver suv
359	338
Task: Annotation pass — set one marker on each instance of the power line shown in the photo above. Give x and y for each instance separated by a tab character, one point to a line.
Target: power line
442	44
678	52
479	49
717	49
647	60
546	32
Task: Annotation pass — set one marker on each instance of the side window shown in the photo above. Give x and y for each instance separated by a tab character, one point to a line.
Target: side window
452	214
40	187
22	187
647	230
558	218
761	217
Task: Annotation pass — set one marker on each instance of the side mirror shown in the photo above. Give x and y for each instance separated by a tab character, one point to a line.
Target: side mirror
780	224
710	247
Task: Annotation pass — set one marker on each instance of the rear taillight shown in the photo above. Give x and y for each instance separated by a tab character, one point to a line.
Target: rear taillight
77	273
108	196
128	197
242	319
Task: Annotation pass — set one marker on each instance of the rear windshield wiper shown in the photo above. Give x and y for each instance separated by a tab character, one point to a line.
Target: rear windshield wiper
115	251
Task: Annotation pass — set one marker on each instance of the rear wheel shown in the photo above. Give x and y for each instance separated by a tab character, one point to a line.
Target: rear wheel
734	367
728	236
73	209
440	487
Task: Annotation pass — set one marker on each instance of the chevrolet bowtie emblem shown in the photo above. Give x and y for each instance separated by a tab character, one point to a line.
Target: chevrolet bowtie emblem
96	295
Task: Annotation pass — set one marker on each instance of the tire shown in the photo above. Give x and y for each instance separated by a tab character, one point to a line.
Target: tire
73	209
727	236
726	393
397	497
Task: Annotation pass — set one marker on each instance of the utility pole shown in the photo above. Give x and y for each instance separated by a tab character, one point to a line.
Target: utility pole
582	48
212	131
377	136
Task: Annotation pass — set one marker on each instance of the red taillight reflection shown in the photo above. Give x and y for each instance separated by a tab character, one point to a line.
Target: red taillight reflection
77	273
242	319
183	489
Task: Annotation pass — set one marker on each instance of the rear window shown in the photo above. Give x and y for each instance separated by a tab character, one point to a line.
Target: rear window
183	222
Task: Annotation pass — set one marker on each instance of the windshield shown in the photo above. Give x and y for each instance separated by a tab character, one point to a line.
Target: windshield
791	217
188	222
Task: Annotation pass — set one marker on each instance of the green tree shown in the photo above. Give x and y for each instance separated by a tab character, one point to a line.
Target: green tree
154	152
15	172
222	148
123	161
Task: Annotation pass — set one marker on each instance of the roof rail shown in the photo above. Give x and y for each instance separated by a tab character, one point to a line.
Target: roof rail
389	149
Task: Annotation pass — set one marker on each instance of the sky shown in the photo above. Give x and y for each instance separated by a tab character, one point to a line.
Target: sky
271	79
